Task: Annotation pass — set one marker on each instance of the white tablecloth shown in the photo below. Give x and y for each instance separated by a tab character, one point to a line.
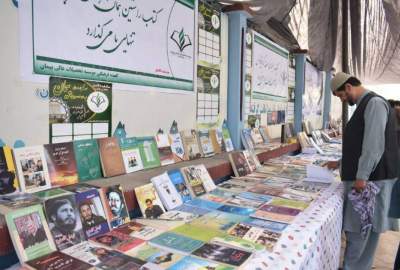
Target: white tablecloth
312	241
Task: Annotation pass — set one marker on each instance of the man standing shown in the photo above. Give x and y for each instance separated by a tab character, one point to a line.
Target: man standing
369	154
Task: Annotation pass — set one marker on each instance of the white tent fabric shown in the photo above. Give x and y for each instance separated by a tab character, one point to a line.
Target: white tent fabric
373	33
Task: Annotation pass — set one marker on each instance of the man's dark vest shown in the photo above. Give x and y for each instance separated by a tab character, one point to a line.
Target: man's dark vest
353	140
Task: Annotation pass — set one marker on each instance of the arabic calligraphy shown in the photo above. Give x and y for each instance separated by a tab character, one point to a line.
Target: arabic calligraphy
105	36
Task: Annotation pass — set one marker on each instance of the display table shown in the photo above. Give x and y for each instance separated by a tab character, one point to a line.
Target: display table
312	241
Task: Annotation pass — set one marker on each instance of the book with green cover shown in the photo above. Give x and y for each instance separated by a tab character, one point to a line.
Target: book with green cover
236	242
198	232
130	149
160	257
176	242
30	233
148	152
87	159
300	205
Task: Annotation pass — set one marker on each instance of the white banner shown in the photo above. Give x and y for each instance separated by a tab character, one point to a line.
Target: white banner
142	42
270	68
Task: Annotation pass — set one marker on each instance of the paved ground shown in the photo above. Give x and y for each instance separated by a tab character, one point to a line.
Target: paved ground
386	253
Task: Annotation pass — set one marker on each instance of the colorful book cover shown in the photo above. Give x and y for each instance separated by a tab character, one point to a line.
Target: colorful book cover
255	196
243	202
192	263
220	139
30	233
222	254
111	157
233	187
205	143
114	205
164	149
239	164
87	159
295	204
148	152
256	235
252	160
236	210
216	141
178	215
247	140
58	261
200	171
149	202
160	257
266	190
160	224
83	252
276	213
17	200
256	136
216	220
227	139
177	146
176	242
64	221
117	241
52	193
33	173
179	182
203	204
130	150
8	177
191	144
91	210
61	163
236	242
113	260
197	232
137	230
167	191
193	209
266	224
193	181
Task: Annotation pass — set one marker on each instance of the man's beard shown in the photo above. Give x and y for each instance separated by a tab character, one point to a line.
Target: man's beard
116	211
67	227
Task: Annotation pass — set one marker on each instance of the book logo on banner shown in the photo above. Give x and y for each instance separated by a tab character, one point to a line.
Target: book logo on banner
97	102
181	39
215	21
214	81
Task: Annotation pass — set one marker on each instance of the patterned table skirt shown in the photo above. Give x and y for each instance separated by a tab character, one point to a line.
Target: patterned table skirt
312	241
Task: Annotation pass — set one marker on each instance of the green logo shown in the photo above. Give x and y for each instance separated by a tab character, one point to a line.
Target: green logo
181	39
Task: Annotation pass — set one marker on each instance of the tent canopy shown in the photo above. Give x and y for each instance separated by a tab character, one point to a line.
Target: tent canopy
361	37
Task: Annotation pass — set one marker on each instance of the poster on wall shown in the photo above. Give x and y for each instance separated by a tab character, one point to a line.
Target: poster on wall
141	42
313	91
208	85
270	68
208	69
79	109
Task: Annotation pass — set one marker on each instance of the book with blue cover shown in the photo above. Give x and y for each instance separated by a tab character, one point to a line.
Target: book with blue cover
176	242
193	209
217	220
266	224
236	210
192	263
204	204
179	182
255	196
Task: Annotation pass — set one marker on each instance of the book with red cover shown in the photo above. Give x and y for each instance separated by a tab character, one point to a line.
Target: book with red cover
57	261
111	157
61	164
117	240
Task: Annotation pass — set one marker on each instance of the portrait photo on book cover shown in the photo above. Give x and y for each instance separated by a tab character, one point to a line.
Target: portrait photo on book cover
30	229
116	202
152	210
7	181
64	222
92	214
33	173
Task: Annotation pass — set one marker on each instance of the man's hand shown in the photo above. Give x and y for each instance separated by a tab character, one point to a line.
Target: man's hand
332	165
359	185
